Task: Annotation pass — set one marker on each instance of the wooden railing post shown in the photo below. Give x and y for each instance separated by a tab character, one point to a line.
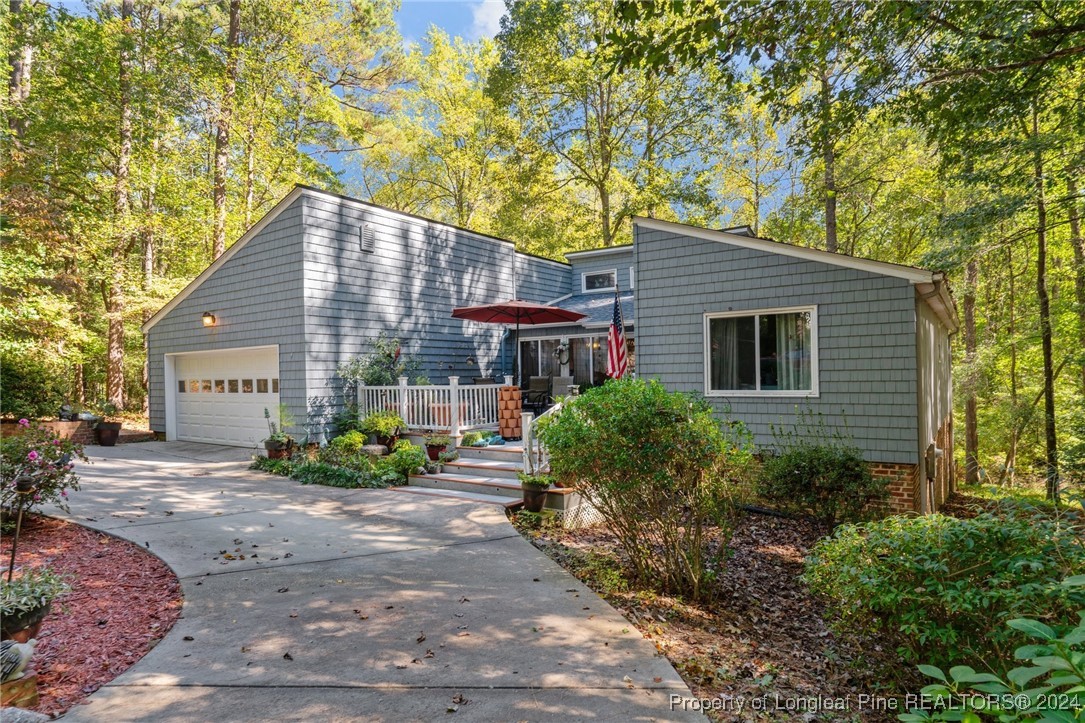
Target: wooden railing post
454	400
525	424
403	401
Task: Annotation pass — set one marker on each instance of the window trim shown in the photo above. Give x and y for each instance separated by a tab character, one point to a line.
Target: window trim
706	354
584	281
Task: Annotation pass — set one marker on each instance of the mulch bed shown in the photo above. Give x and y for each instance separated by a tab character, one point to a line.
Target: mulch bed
764	636
123	601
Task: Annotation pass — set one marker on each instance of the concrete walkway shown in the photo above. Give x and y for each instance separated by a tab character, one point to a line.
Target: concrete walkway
354	605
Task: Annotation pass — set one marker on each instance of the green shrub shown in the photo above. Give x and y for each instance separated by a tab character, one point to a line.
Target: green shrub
345	455
33	588
833	484
347	419
1049	689
32	388
471	438
281	467
349	443
321	473
944	588
384	423
38	453
659	467
403	462
382	366
819	472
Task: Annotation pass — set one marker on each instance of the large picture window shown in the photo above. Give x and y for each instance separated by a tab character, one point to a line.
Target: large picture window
772	352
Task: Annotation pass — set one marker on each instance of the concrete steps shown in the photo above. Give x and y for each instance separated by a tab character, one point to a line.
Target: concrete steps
476	497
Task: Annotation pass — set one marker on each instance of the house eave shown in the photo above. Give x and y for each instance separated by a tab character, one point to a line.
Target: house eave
910	273
590	253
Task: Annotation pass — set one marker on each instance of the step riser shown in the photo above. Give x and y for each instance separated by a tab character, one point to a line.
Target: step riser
497	454
479	487
466	470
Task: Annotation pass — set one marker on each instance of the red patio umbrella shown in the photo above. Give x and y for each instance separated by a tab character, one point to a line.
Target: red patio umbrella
516	312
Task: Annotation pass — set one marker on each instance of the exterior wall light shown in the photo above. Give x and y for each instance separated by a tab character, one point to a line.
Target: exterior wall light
208	318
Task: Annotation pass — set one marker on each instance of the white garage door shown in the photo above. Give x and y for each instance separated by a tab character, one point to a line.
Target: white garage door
221	396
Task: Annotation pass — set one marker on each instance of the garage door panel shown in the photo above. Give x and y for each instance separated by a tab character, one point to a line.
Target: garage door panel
225	394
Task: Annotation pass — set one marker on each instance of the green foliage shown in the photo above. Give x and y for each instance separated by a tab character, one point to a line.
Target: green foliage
347	419
349	443
47	459
32	589
277	430
817	471
281	467
438	440
540	481
1051	688
322	473
32	388
944	588
404	461
448	456
382	366
659	467
383	423
471	439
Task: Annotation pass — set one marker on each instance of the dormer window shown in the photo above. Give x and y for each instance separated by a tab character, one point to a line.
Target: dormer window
599	281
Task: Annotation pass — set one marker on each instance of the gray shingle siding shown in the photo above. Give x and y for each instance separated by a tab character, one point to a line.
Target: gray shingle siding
540	279
256	297
408	285
620	261
866	335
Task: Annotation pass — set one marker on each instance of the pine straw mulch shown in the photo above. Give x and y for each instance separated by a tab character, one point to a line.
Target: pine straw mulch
123	601
764	636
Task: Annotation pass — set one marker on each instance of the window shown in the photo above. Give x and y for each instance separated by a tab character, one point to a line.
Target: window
205	386
232	386
181	386
274	386
261	386
772	352
220	386
246	386
194	386
599	281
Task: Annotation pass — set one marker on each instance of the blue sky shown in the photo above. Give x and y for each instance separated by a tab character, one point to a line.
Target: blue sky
470	20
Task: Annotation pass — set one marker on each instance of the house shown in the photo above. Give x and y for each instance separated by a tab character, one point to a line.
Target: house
760	328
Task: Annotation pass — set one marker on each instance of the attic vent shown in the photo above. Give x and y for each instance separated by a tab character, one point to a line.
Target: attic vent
366	233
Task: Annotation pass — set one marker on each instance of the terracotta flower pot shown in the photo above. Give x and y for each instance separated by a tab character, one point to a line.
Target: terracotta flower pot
433	451
24	626
278	450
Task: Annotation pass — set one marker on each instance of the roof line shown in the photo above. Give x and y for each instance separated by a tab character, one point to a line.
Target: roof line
910	273
600	252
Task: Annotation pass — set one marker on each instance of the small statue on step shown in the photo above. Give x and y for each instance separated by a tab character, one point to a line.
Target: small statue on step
14	657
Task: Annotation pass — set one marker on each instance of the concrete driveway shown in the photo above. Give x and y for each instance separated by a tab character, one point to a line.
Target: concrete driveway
354	605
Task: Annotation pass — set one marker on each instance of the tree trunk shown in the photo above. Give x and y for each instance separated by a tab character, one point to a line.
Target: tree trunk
1050	440
971	426
115	300
1078	243
222	132
20	58
828	156
250	171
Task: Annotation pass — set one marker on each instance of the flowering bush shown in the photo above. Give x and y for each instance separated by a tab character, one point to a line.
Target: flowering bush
48	460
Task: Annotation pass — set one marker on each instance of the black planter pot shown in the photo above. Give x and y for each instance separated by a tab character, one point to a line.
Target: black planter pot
534	498
12	625
108	432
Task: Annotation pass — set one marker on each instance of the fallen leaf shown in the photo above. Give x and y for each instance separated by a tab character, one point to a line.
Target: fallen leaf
421	637
287	656
281	589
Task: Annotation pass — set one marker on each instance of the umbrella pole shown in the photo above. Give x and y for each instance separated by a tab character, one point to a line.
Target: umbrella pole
516	357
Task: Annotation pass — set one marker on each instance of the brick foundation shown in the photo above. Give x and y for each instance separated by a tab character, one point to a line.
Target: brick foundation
81	432
902	483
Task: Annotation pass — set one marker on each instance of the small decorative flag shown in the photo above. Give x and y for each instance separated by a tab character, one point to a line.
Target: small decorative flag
617	362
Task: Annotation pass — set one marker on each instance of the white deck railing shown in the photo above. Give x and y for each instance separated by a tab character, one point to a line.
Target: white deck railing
536	456
451	407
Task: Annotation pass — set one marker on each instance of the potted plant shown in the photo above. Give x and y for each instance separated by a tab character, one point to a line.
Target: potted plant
108	428
436	444
25	601
278	444
385	425
534	488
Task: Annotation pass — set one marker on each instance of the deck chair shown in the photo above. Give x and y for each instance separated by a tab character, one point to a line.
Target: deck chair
537	395
560	387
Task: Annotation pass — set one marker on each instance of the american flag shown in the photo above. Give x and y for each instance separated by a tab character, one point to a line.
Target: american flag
617	362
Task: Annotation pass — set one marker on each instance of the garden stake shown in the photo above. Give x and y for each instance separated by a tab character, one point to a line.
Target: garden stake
23	486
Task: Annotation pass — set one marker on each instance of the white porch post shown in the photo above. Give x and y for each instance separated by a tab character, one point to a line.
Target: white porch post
525	421
508	380
403	400
359	398
454	413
